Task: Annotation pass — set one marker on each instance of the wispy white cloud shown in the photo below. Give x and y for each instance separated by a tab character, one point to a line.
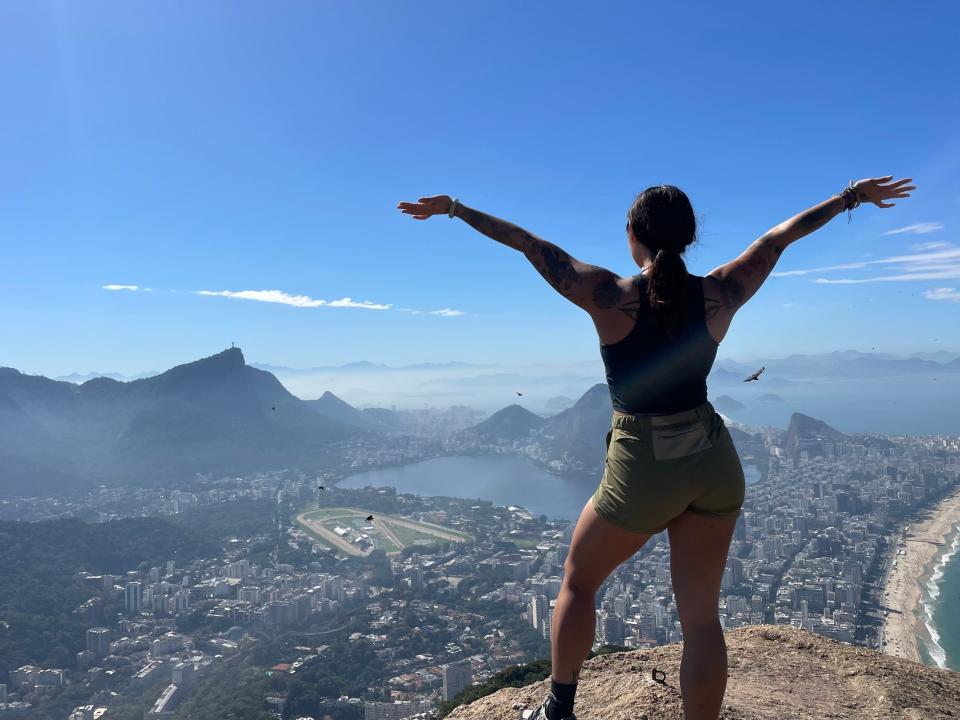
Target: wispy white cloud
929	245
941	262
944	293
847	266
917	228
950	274
121	287
305	301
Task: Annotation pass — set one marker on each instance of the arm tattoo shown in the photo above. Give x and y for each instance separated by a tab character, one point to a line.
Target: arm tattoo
555	265
806	222
495	228
748	272
552	262
711	307
606	293
815	219
631	308
732	293
762	258
752	271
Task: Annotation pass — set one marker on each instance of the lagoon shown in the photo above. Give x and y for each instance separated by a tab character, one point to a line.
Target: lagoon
500	480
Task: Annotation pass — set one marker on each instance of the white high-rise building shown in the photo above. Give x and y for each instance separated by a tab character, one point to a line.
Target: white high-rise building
553	585
249	595
456	678
537	612
133	597
98	641
238	570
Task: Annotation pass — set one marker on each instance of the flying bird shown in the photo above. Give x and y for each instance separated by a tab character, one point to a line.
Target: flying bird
274	407
756	375
320	487
520	394
369	518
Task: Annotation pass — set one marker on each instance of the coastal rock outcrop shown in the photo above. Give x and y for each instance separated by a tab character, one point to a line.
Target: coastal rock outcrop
775	671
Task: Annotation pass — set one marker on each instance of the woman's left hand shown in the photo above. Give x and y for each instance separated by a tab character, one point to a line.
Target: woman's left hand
427	206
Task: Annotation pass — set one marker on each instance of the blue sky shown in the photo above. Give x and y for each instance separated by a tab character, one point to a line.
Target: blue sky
248	147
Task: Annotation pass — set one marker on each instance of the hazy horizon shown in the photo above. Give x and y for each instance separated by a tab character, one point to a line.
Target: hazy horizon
884	396
129	372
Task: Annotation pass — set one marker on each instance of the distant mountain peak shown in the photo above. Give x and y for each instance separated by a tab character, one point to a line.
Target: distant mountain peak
232	355
229	360
328	399
519	410
513	422
340	410
599	393
806	423
727	404
805	432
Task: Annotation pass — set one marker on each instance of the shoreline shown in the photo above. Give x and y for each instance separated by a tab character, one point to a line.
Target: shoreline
903	587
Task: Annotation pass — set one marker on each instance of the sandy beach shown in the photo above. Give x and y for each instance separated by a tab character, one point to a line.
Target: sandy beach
902	588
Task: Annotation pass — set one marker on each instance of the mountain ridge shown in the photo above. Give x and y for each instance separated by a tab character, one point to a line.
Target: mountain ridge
213	415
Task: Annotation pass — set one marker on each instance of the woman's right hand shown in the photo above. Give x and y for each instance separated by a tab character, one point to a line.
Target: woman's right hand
879	190
426	206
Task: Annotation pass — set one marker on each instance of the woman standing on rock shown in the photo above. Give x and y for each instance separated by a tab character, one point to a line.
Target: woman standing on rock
670	462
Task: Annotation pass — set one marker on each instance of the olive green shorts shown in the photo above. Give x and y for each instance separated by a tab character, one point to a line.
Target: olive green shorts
658	466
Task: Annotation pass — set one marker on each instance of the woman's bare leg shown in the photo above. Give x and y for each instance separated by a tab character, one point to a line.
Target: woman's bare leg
597	548
698	555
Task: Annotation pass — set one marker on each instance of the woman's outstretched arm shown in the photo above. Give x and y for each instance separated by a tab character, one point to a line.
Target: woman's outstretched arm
583	284
740	278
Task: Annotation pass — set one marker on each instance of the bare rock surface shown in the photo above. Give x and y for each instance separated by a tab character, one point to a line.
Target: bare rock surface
775	671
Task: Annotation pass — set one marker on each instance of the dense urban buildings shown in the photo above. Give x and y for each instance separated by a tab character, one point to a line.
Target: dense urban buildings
809	549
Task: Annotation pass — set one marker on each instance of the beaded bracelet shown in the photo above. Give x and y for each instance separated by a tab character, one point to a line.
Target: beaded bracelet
851	200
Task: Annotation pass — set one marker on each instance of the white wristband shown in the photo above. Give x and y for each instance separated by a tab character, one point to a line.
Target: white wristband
453	207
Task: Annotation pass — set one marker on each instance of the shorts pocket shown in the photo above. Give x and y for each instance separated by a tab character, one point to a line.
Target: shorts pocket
679	441
606	451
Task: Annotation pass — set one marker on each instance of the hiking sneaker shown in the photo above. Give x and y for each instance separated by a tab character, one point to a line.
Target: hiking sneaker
541	711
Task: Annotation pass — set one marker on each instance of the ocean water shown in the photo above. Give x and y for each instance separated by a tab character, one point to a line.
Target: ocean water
905	405
941	608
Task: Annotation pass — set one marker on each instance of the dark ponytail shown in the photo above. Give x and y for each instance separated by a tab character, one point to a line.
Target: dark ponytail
666	282
663	220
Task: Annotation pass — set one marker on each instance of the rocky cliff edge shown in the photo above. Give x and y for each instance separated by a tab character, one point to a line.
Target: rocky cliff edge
775	671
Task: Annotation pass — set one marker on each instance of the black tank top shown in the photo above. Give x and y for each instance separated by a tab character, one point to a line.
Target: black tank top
651	372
